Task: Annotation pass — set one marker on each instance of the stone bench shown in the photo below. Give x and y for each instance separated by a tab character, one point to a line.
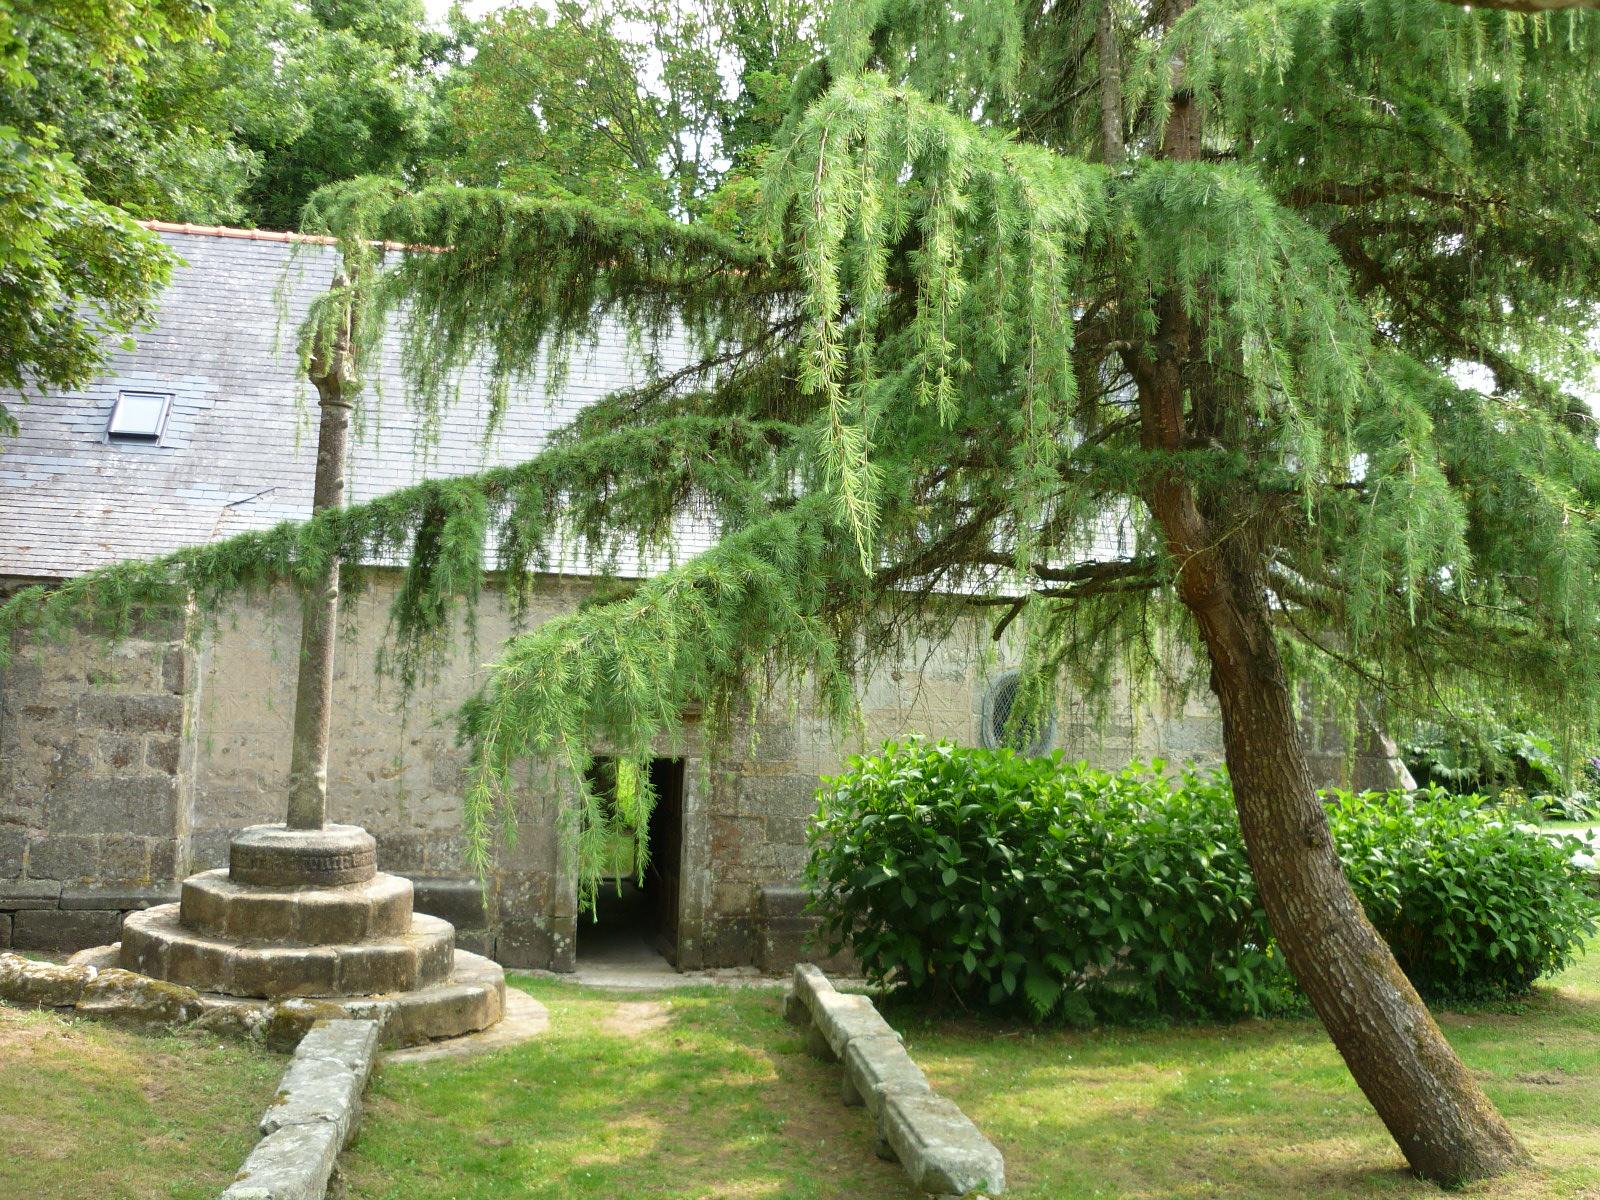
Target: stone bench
938	1145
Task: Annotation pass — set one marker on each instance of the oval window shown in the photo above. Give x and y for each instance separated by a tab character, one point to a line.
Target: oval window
1025	737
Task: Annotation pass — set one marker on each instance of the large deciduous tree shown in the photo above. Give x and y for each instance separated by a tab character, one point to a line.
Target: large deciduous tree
1245	333
74	269
644	104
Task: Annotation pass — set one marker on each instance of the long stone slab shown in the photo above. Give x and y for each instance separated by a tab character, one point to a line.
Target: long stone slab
292	1163
838	1016
874	1067
313	1116
314	1092
352	1044
844	1017
809	983
325	1080
939	1146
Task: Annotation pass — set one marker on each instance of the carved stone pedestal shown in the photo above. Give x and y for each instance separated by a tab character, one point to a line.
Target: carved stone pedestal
307	913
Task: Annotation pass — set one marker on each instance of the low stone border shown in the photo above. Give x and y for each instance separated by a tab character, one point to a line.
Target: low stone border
313	1116
111	992
939	1147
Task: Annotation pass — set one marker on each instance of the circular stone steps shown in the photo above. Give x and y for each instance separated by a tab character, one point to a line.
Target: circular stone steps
155	943
214	904
470	998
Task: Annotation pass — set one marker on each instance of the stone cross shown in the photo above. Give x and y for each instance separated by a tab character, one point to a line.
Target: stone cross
332	371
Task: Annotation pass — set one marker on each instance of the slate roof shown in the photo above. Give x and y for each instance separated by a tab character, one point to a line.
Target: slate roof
239	447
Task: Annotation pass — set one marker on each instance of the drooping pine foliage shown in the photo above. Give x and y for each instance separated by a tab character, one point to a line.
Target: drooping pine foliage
912	400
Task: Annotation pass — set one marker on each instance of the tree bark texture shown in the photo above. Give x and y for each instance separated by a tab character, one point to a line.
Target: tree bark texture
331	371
1109	53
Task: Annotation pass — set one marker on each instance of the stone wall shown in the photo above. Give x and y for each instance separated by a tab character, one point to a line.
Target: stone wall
127	766
96	764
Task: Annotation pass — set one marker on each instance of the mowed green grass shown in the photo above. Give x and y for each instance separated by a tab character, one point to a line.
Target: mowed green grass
91	1111
1265	1108
694	1093
708	1094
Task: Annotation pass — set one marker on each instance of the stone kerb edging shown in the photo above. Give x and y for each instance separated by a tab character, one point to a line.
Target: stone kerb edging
313	1116
937	1144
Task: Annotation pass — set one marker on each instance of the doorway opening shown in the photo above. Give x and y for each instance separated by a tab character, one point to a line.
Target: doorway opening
635	922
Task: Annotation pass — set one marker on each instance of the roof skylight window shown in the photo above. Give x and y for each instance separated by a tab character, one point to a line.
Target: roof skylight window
139	417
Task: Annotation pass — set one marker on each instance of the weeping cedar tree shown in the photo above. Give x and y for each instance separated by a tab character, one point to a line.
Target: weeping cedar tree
1206	272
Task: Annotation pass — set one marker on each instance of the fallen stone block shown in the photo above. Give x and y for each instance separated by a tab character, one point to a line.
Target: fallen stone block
292	1163
133	999
41	984
939	1147
877	1066
232	1016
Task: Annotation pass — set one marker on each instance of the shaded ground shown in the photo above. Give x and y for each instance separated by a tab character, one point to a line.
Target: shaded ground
94	1111
707	1093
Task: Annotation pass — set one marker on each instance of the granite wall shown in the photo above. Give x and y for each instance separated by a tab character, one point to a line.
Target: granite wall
96	767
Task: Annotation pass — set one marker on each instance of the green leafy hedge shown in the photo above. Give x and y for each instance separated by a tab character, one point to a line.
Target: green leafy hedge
1009	881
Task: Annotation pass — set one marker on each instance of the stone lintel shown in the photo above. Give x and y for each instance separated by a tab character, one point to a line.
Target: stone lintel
292	1163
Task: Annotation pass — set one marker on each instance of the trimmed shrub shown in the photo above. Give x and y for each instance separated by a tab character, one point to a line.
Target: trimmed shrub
1004	881
1473	903
999	879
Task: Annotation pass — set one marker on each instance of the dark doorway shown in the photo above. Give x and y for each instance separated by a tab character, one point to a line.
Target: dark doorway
634	921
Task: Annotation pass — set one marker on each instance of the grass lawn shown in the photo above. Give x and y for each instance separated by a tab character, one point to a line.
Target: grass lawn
1265	1108
709	1094
94	1111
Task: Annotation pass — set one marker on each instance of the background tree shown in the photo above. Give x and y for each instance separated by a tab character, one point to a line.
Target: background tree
1140	328
355	80
233	112
74	270
641	105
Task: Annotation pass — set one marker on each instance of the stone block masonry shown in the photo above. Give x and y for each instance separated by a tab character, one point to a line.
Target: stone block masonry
940	1148
96	757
